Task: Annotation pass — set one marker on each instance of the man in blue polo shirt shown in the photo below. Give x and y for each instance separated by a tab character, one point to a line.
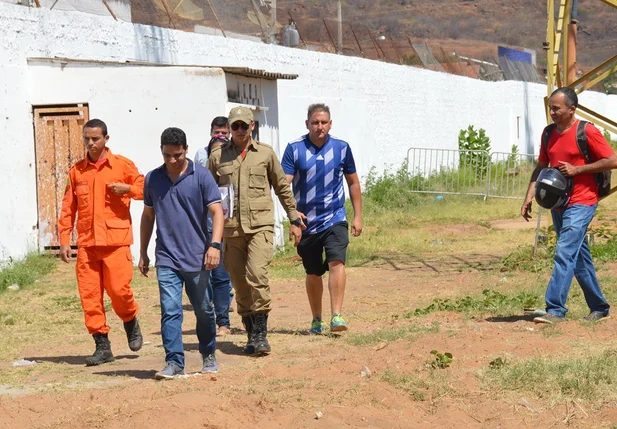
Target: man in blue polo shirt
315	165
179	194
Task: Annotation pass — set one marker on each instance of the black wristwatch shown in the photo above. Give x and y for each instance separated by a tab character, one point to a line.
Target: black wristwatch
297	222
216	245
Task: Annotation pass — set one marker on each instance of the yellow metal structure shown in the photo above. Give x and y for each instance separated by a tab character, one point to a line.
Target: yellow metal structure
557	49
559	59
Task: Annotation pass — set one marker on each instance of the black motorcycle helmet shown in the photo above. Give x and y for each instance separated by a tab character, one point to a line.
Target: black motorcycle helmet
553	189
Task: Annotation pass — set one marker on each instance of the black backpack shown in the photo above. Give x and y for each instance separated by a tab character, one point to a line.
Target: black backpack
602	179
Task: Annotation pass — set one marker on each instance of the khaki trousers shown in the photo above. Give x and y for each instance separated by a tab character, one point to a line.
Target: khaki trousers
247	259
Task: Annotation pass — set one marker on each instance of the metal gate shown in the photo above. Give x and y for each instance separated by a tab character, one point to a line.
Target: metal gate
469	172
58	145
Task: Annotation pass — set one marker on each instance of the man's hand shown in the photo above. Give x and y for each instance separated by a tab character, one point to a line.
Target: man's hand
302	217
213	257
295	234
144	265
526	210
356	226
567	169
119	188
65	252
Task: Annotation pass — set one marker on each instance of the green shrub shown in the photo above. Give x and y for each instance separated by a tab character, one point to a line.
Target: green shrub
27	271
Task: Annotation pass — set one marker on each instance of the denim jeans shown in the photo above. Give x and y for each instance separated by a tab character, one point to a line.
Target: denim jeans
199	291
573	259
222	292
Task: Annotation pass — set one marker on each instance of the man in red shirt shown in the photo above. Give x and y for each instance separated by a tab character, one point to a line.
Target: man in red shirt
572	255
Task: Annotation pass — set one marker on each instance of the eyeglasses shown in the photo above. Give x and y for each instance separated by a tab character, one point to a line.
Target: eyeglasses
239	124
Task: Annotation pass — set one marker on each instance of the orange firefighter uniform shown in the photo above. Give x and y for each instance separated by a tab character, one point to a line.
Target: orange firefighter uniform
104	235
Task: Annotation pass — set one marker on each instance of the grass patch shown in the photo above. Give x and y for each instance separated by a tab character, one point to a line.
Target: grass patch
27	271
591	378
491	301
389	335
434	384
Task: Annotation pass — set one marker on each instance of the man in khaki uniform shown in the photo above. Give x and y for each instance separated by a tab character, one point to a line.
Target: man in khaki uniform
251	169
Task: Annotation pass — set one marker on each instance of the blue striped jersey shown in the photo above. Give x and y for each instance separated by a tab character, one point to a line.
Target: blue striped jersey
318	179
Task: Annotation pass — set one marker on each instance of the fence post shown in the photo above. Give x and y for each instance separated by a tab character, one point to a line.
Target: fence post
488	176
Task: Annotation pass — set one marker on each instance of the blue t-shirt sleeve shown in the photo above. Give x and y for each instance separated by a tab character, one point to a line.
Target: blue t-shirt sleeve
287	162
349	165
209	189
147	197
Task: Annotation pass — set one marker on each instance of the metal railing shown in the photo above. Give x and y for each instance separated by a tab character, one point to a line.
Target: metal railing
469	172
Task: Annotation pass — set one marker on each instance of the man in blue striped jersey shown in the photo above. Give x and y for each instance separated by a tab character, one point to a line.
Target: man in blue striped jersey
315	165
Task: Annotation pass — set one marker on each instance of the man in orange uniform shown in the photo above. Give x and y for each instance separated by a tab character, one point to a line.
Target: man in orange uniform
99	191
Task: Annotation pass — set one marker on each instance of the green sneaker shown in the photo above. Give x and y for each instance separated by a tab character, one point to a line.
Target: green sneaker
337	323
317	327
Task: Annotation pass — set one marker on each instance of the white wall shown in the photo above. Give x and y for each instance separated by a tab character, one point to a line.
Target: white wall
137	103
381	109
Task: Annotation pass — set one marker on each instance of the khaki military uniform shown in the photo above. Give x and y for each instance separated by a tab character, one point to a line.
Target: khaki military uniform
248	235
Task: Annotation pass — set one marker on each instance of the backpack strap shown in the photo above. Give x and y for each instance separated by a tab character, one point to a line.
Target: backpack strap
581	141
546	135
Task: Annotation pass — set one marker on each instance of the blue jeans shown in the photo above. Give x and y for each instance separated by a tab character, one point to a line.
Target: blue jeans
222	292
199	291
573	259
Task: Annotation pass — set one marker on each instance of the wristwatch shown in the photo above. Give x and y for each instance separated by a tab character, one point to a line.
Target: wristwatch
297	222
216	245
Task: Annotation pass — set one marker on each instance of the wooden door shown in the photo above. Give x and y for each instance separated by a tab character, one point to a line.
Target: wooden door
59	145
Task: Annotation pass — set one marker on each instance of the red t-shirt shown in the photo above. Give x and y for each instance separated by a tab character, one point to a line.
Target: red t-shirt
562	147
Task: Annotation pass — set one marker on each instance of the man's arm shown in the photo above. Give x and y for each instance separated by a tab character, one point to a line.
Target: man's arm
213	164
599	166
282	189
355	193
145	234
133	182
66	222
213	256
531	190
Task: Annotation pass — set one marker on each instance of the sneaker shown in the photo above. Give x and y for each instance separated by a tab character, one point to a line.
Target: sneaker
222	331
317	327
337	323
210	364
596	316
549	318
171	371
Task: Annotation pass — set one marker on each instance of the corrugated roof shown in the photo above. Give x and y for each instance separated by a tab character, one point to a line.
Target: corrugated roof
249	72
243	71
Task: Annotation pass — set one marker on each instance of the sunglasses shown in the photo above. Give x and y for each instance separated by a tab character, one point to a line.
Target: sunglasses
237	125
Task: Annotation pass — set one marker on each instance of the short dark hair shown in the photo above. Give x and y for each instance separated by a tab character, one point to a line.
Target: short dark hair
569	95
173	137
97	123
219	122
317	107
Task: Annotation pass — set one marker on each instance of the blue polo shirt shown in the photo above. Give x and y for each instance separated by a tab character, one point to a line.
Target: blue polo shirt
318	174
181	210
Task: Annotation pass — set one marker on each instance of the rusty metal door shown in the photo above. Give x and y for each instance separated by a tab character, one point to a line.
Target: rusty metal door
59	145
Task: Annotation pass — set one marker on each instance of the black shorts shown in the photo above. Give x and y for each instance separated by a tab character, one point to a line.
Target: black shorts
334	240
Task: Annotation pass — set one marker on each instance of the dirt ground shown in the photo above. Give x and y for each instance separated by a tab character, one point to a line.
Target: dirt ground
307	381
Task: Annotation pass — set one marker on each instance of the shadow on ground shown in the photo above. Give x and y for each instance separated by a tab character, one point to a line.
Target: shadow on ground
73	360
140	374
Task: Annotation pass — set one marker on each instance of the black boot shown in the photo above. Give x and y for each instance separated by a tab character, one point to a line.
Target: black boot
133	334
102	354
260	331
249	348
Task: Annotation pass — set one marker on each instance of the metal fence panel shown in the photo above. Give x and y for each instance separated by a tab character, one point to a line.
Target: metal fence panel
510	173
469	172
448	171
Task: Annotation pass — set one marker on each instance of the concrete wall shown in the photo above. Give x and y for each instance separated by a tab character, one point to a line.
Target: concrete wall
381	109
